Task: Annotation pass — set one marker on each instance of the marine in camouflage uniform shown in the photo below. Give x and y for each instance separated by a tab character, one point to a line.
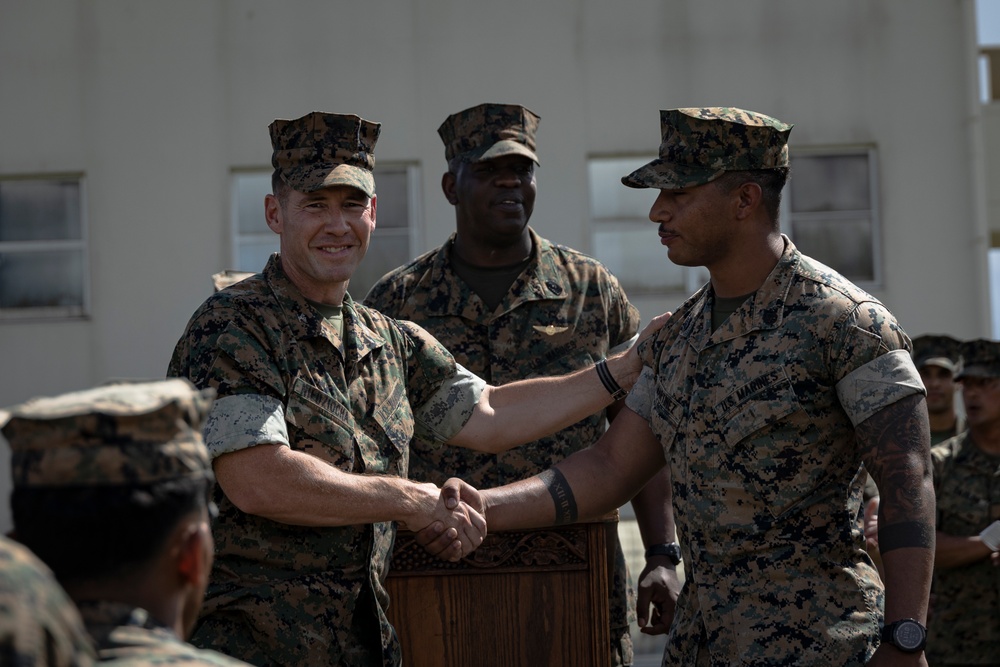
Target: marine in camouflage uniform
763	394
559	310
39	624
115	452
304	382
965	625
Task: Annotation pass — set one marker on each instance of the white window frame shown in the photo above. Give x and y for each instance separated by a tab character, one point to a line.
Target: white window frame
82	245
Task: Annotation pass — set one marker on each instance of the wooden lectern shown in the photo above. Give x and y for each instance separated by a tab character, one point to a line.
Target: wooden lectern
534	597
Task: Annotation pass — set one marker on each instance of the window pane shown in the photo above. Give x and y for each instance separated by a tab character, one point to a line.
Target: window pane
393	198
609	198
250	192
385	253
41	279
842	244
830	183
636	258
39	210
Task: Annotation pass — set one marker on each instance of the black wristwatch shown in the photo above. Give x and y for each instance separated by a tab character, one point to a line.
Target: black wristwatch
671	551
906	634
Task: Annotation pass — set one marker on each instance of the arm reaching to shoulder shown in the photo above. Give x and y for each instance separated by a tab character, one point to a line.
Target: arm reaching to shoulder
519	412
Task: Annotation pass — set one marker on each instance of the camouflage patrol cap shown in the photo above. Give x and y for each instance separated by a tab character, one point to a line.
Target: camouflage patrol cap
489	131
320	150
699	145
118	434
980	358
933	350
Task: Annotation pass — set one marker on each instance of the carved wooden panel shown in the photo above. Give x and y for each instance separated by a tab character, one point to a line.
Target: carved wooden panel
534	598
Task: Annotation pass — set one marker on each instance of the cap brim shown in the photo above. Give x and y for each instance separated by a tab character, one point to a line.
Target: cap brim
328	176
943	362
500	149
662	175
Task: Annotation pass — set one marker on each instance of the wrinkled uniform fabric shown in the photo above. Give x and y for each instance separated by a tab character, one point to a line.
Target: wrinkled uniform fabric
39	624
756	420
964	627
126	636
563	313
295	595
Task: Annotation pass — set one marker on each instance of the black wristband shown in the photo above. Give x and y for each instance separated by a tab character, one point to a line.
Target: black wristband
671	551
608	380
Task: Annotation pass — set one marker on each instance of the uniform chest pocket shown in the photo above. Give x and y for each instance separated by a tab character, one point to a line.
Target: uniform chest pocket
763	427
324	424
395	418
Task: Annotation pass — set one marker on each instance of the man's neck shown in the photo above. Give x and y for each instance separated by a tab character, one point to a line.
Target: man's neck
484	256
942	421
986	437
744	272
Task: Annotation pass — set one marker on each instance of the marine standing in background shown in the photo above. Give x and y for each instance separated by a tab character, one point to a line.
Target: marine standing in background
965	626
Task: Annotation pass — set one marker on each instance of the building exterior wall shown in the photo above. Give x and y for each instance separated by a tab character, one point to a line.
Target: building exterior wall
157	102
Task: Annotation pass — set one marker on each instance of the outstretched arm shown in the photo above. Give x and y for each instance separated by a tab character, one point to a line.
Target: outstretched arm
519	412
895	444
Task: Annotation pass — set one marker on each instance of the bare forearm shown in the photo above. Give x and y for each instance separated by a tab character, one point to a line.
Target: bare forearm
955	551
287	486
653	510
586	486
520	412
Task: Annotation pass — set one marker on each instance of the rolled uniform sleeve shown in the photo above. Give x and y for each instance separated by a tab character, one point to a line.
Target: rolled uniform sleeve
880	382
448	409
245	420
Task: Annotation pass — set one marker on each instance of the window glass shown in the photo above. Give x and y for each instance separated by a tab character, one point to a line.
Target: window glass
43	260
830	211
623	237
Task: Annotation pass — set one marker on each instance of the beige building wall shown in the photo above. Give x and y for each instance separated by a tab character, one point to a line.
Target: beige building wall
157	102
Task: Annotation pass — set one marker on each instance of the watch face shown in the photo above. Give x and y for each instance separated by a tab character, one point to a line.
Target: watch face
908	635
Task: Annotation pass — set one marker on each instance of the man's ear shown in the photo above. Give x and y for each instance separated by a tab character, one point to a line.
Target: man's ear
374	205
193	543
272	213
748	199
448	187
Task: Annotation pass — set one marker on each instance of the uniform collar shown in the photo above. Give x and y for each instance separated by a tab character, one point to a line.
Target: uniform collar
449	295
763	311
306	323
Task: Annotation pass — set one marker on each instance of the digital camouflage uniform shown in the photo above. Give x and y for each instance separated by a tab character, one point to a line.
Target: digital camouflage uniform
295	595
757	423
964	625
565	312
39	624
126	636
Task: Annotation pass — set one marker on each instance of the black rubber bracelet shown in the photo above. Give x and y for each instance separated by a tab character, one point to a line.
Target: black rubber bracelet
608	380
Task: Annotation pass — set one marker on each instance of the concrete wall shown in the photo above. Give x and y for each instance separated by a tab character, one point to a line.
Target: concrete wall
156	103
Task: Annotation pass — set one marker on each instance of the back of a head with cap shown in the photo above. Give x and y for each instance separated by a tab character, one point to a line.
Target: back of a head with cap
102	476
